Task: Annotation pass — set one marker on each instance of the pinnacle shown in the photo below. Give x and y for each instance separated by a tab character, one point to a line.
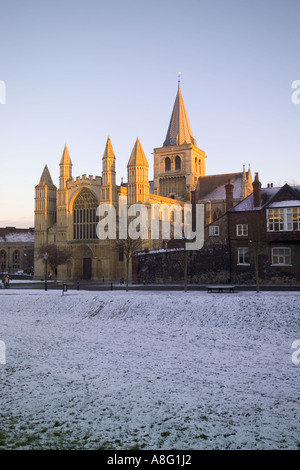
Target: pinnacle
65	159
138	157
46	177
109	151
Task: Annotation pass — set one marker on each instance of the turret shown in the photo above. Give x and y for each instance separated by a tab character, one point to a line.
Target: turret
108	190
65	168
138	179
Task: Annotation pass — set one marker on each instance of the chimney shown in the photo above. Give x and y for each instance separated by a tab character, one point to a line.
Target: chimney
256	191
229	195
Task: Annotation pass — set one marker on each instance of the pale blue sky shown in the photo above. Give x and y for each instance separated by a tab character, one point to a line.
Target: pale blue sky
78	71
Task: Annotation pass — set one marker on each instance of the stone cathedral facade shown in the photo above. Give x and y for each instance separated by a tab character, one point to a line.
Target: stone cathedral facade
66	215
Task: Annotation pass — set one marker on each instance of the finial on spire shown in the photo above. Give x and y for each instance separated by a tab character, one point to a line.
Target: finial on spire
179	73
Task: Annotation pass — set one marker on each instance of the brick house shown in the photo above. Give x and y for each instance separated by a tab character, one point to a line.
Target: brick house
263	233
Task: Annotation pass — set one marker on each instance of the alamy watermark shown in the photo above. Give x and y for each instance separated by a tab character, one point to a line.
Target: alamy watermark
296	94
2	353
2	92
296	354
154	222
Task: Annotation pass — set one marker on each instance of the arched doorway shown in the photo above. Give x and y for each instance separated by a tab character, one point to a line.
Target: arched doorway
83	263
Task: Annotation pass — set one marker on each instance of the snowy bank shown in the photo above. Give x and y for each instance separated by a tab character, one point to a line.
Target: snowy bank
167	370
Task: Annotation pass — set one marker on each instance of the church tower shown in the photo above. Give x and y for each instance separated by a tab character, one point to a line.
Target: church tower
179	163
108	190
44	216
138	179
45	203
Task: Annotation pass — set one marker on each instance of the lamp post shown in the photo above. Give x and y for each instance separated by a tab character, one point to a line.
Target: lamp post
46	262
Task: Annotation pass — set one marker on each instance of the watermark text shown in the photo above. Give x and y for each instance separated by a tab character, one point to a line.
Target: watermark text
152	222
296	94
2	352
2	92
296	354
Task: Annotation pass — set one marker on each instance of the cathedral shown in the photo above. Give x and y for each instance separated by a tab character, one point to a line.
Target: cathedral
66	216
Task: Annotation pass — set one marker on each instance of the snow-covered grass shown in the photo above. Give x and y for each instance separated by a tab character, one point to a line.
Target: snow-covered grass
149	370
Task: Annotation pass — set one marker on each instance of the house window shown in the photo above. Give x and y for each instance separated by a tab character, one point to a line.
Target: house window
241	230
167	164
177	163
214	231
293	218
243	257
285	219
281	256
84	212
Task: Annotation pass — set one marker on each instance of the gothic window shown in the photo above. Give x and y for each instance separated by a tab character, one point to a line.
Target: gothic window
167	164
84	216
216	214
16	259
177	163
2	260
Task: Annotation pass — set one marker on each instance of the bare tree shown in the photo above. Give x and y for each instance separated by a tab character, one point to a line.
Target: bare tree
129	247
56	255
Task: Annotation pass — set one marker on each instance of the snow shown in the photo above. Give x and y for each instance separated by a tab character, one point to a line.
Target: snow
151	370
25	237
284	204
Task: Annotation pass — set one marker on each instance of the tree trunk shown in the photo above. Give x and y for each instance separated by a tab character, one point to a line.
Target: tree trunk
185	270
127	273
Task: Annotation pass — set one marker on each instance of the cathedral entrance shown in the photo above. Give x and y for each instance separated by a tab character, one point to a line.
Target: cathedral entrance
87	268
83	263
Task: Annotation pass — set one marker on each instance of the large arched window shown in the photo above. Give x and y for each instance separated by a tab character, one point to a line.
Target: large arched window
167	164
177	163
84	216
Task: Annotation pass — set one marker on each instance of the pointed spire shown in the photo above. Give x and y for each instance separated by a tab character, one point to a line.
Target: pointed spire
179	131
65	159
109	151
138	157
249	175
46	178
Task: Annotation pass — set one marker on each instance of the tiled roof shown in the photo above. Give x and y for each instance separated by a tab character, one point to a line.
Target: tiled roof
212	187
267	195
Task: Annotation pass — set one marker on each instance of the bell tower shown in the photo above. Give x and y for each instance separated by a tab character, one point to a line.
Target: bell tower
179	163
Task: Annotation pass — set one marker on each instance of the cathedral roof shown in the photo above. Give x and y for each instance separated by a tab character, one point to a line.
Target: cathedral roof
179	131
137	157
65	159
46	178
109	151
211	187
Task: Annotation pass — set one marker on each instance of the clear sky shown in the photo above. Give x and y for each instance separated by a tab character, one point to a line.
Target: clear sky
78	71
